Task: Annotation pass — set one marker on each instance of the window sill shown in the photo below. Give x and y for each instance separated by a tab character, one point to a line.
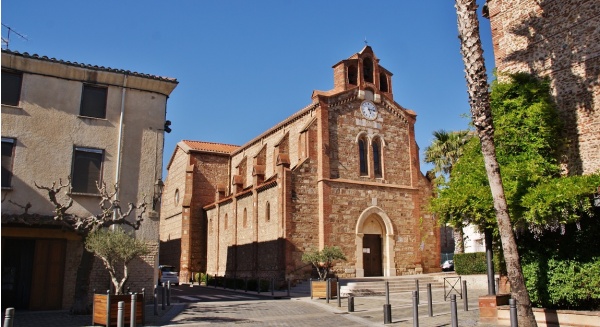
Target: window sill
11	106
96	195
95	118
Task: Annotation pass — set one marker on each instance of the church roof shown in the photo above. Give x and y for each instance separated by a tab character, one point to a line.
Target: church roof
210	147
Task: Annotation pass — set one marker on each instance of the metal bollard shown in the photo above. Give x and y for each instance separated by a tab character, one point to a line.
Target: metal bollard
289	284
169	293
387	307
258	287
339	293
514	321
120	306
498	285
245	284
429	300
132	315
327	290
163	296
415	301
143	306
350	303
8	317
311	289
465	297
417	287
108	313
128	290
272	286
155	301
224	282
453	310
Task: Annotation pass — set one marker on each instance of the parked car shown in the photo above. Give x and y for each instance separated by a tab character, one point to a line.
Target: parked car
448	265
168	273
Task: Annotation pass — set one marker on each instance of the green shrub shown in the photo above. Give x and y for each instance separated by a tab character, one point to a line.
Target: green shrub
564	284
474	263
470	263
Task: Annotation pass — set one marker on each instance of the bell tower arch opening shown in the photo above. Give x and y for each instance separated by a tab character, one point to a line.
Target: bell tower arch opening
375	254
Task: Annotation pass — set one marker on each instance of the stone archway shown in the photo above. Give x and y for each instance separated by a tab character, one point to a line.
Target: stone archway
374	221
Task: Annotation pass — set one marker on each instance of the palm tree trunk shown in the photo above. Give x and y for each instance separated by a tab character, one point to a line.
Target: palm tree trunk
472	52
459	240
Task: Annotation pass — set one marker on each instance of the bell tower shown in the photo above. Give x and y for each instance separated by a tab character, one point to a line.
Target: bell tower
362	71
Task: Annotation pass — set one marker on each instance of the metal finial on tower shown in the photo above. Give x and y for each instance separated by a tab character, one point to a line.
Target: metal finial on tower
366	42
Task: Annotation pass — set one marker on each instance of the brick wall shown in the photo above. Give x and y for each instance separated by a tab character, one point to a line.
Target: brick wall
559	39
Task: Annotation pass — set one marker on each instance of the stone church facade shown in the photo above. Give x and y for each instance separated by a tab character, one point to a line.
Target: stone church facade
560	40
343	171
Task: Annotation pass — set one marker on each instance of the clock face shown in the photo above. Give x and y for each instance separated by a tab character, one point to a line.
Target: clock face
368	110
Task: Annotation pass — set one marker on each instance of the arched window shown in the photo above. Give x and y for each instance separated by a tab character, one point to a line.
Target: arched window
176	197
225	222
362	156
245	219
383	82
377	158
368	70
352	75
268	212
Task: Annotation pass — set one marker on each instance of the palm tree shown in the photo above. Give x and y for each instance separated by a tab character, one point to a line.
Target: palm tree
443	153
477	85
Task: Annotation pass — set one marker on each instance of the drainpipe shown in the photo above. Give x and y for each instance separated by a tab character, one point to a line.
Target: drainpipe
120	139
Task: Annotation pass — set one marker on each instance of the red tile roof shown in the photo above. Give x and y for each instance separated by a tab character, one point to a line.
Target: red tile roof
211	147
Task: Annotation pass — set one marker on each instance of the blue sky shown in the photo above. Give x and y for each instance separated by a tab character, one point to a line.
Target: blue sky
243	66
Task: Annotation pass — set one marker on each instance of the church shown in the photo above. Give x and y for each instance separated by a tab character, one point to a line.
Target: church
342	171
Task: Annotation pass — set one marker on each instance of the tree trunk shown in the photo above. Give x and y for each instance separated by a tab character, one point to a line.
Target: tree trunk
81	305
459	240
472	52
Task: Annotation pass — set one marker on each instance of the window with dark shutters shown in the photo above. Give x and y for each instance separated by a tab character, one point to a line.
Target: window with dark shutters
87	170
93	101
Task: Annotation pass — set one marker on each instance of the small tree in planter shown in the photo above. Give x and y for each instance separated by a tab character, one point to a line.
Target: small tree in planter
114	248
323	260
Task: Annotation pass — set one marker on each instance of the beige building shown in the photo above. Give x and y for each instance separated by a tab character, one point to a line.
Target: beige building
560	40
93	123
343	171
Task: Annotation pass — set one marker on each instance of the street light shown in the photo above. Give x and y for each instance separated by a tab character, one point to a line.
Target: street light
158	189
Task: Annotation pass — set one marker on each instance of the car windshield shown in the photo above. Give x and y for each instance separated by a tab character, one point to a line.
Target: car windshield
168	268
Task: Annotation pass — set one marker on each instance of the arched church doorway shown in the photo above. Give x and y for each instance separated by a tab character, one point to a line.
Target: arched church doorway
374	244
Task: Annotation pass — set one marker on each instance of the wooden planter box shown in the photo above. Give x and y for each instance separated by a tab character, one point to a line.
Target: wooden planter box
106	306
318	289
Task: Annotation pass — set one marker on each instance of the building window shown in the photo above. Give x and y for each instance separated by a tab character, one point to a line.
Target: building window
368	70
268	212
87	170
377	158
362	156
352	75
383	82
245	219
93	101
8	150
11	88
176	198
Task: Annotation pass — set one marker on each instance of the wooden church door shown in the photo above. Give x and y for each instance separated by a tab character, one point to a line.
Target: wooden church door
372	255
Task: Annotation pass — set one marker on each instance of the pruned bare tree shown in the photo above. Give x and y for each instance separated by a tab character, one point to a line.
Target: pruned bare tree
111	213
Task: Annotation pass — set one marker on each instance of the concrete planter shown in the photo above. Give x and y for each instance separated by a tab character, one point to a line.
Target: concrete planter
106	309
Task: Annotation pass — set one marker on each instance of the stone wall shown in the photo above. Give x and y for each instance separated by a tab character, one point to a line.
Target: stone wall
559	39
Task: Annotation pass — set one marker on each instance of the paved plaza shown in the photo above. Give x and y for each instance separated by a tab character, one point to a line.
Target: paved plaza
200	306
